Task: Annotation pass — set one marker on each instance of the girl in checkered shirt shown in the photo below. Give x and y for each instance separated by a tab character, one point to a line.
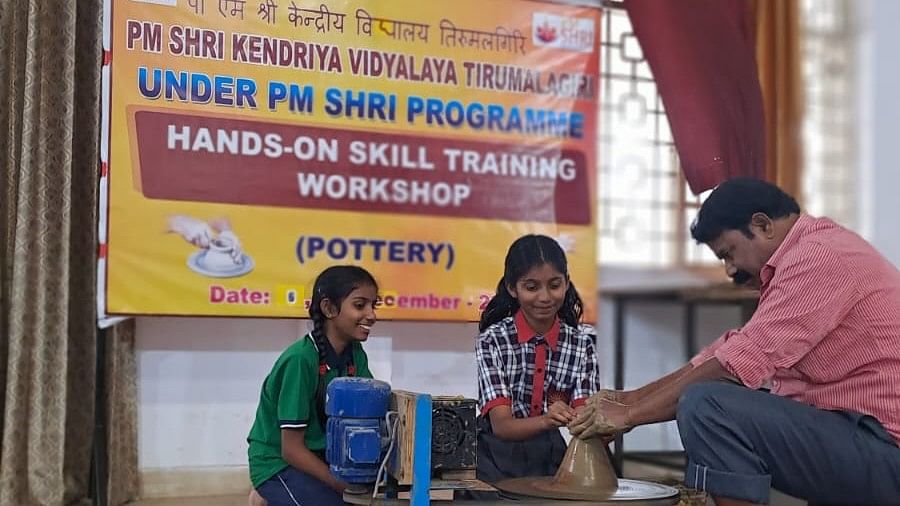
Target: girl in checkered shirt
536	363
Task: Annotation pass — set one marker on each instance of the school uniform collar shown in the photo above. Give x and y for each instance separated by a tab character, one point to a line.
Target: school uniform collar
526	333
335	361
332	359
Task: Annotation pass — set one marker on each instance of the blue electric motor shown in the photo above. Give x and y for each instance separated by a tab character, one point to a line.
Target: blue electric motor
355	445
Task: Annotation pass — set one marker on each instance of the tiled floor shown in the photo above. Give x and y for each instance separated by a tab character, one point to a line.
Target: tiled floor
222	500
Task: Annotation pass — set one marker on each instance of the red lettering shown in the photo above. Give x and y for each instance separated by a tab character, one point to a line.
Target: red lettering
216	294
221	295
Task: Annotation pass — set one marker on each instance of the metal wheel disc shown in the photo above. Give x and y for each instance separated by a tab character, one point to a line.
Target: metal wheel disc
631	492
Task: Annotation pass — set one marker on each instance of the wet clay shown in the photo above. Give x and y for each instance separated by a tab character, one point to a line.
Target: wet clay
586	465
587	474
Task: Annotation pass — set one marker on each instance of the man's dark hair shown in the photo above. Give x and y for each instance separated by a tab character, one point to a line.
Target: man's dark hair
731	205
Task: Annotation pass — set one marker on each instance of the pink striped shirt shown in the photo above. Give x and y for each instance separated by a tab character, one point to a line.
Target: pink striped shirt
827	329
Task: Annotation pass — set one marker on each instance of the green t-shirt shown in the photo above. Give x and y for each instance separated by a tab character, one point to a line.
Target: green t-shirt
288	400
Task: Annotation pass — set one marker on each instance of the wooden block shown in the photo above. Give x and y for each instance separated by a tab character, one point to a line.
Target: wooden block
480	486
458	474
401	465
435	495
462	485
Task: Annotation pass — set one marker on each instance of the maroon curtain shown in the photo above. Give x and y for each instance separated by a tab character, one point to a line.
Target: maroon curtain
702	56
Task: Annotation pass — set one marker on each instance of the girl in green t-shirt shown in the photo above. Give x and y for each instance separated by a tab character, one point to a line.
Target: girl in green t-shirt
287	440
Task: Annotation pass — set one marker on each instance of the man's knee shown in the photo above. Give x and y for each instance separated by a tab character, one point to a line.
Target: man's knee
700	413
701	400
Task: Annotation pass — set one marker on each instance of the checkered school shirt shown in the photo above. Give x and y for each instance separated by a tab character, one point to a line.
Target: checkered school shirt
528	371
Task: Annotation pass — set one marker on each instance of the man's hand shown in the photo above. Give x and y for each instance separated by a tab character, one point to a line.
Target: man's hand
220	224
558	414
236	251
201	234
601	417
223	227
192	230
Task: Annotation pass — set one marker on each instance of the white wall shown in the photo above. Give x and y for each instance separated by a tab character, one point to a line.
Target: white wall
199	378
881	83
197	384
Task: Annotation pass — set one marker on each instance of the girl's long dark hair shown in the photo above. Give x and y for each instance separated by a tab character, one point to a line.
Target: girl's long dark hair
526	253
335	284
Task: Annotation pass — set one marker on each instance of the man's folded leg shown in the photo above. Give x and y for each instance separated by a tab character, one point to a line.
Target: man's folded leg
742	442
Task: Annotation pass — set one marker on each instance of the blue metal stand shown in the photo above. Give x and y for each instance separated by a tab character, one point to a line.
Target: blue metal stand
421	483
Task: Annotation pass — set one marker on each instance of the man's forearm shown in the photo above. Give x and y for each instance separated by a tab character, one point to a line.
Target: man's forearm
657	404
636	395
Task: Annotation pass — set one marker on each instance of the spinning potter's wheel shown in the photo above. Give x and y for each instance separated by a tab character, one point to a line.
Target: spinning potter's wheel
587	475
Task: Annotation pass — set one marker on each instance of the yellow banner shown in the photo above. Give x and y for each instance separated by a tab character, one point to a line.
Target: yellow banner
254	143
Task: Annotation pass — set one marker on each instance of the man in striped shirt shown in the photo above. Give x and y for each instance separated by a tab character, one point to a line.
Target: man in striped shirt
812	407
